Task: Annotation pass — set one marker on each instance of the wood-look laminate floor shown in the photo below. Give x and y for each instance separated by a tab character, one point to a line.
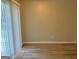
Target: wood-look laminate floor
65	51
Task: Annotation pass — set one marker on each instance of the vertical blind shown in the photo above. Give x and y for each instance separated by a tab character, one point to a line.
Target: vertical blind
6	30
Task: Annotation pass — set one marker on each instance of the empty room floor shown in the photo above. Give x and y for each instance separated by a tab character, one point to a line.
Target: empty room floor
47	51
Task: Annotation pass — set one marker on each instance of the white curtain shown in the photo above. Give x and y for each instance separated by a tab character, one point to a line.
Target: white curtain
15	9
10	28
7	39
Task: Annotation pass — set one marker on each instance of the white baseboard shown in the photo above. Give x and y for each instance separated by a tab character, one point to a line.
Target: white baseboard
64	42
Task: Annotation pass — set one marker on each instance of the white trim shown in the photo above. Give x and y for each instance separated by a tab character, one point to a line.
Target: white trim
63	42
17	3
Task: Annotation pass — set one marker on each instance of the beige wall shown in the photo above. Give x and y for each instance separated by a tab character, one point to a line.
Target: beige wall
53	20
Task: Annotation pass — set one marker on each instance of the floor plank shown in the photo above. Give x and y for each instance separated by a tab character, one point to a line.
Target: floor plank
48	52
